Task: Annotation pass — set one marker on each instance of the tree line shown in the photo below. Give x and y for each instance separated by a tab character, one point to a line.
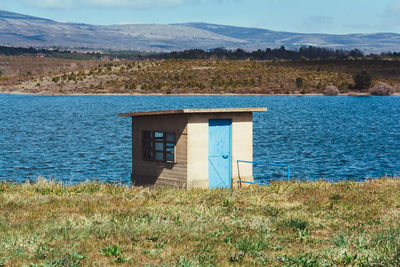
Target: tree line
310	53
22	51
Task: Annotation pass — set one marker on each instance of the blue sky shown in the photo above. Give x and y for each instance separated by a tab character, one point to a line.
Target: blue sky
308	16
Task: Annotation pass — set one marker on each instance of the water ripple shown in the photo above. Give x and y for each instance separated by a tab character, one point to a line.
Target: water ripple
78	138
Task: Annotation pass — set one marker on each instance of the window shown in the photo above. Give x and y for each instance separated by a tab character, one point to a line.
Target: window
159	146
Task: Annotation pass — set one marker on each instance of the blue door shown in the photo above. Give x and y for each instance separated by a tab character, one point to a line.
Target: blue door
219	153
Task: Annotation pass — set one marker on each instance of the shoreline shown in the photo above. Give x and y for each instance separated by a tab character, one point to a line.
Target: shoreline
183	94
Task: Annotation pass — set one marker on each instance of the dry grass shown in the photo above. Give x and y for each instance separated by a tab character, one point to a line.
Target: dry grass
15	71
190	76
286	223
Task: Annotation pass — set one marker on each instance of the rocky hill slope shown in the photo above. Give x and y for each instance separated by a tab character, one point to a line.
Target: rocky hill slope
25	31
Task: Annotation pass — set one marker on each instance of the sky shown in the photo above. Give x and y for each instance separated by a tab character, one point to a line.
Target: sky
306	16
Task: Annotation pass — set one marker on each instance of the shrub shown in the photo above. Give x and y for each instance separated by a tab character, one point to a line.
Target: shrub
381	89
131	85
331	90
362	80
299	82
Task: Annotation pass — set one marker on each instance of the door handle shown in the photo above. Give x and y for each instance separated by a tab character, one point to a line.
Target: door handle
225	156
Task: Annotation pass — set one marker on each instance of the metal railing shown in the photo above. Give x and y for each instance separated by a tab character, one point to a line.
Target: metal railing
260	181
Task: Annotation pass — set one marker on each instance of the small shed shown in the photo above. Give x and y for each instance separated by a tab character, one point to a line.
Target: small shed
192	148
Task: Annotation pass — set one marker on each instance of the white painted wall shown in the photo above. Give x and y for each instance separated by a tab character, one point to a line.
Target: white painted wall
242	146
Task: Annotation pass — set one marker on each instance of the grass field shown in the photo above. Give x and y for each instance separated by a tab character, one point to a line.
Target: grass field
286	223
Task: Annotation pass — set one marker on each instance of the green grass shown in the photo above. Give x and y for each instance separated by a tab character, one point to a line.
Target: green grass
286	223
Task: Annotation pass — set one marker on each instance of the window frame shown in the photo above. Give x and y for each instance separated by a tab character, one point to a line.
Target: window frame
151	143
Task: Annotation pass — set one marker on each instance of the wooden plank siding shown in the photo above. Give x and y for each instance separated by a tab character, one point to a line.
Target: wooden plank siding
146	172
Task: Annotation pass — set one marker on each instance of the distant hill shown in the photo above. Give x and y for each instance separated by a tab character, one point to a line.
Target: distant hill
27	31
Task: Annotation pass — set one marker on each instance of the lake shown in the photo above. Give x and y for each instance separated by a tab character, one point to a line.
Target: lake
78	138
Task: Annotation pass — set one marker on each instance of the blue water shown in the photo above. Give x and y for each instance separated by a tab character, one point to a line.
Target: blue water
78	138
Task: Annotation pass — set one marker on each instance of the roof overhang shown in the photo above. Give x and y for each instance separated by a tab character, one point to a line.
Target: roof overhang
192	111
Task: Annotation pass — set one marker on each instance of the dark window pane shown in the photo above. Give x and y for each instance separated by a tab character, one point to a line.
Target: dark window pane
159	135
159	156
170	157
159	146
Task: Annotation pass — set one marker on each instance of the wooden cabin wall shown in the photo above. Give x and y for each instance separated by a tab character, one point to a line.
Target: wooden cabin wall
145	172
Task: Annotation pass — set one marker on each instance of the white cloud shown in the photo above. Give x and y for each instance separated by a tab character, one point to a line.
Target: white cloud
106	3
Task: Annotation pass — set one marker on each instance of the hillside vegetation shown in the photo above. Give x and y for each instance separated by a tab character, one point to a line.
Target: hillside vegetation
35	75
286	223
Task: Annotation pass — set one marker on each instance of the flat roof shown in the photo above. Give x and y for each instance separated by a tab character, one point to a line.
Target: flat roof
181	111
